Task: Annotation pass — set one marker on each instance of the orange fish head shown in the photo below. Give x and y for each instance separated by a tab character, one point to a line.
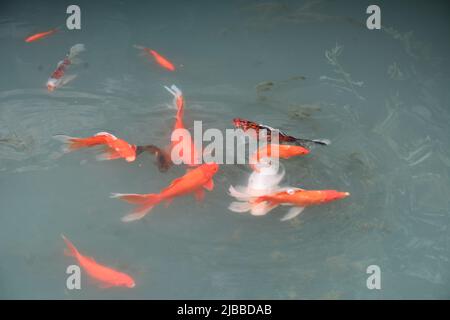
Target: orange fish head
298	150
210	169
287	151
124	280
332	195
130	158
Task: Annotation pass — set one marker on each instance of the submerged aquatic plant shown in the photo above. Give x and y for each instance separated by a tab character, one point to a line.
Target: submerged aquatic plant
344	80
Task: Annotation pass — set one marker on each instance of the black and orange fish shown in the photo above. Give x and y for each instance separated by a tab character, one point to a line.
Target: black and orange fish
247	125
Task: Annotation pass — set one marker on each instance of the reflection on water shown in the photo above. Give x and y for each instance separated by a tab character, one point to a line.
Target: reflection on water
310	68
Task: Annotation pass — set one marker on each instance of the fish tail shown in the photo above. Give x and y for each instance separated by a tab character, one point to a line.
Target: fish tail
71	250
145	203
138	47
175	91
257	206
303	142
69	143
76	50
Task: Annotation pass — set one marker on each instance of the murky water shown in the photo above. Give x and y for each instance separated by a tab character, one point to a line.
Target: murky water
380	96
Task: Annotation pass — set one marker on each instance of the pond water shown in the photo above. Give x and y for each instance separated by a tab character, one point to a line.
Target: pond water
310	68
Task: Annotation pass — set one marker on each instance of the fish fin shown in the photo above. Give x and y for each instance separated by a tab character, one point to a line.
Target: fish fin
171	91
325	142
109	154
75	50
71	249
133	198
239	193
146	203
292	213
209	185
238	206
308	142
262	208
76	61
103	133
68	142
199	195
67	79
138	213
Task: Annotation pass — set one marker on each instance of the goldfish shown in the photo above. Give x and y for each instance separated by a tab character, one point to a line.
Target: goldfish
295	197
59	78
40	35
194	181
162	61
245	125
115	148
107	277
193	156
285	151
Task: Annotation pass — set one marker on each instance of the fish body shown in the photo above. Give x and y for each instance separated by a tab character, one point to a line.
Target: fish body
194	181
40	35
297	198
59	78
106	276
115	148
159	59
272	150
247	125
188	151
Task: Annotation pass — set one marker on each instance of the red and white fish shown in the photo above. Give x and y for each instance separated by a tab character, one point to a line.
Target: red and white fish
106	276
295	197
115	148
160	60
194	181
59	77
187	149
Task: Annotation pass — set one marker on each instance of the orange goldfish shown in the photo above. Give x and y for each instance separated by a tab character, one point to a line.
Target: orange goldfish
163	62
115	148
296	197
40	35
192	182
107	277
285	151
193	158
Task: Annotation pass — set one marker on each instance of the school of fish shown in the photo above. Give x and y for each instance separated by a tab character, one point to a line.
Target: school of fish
262	194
